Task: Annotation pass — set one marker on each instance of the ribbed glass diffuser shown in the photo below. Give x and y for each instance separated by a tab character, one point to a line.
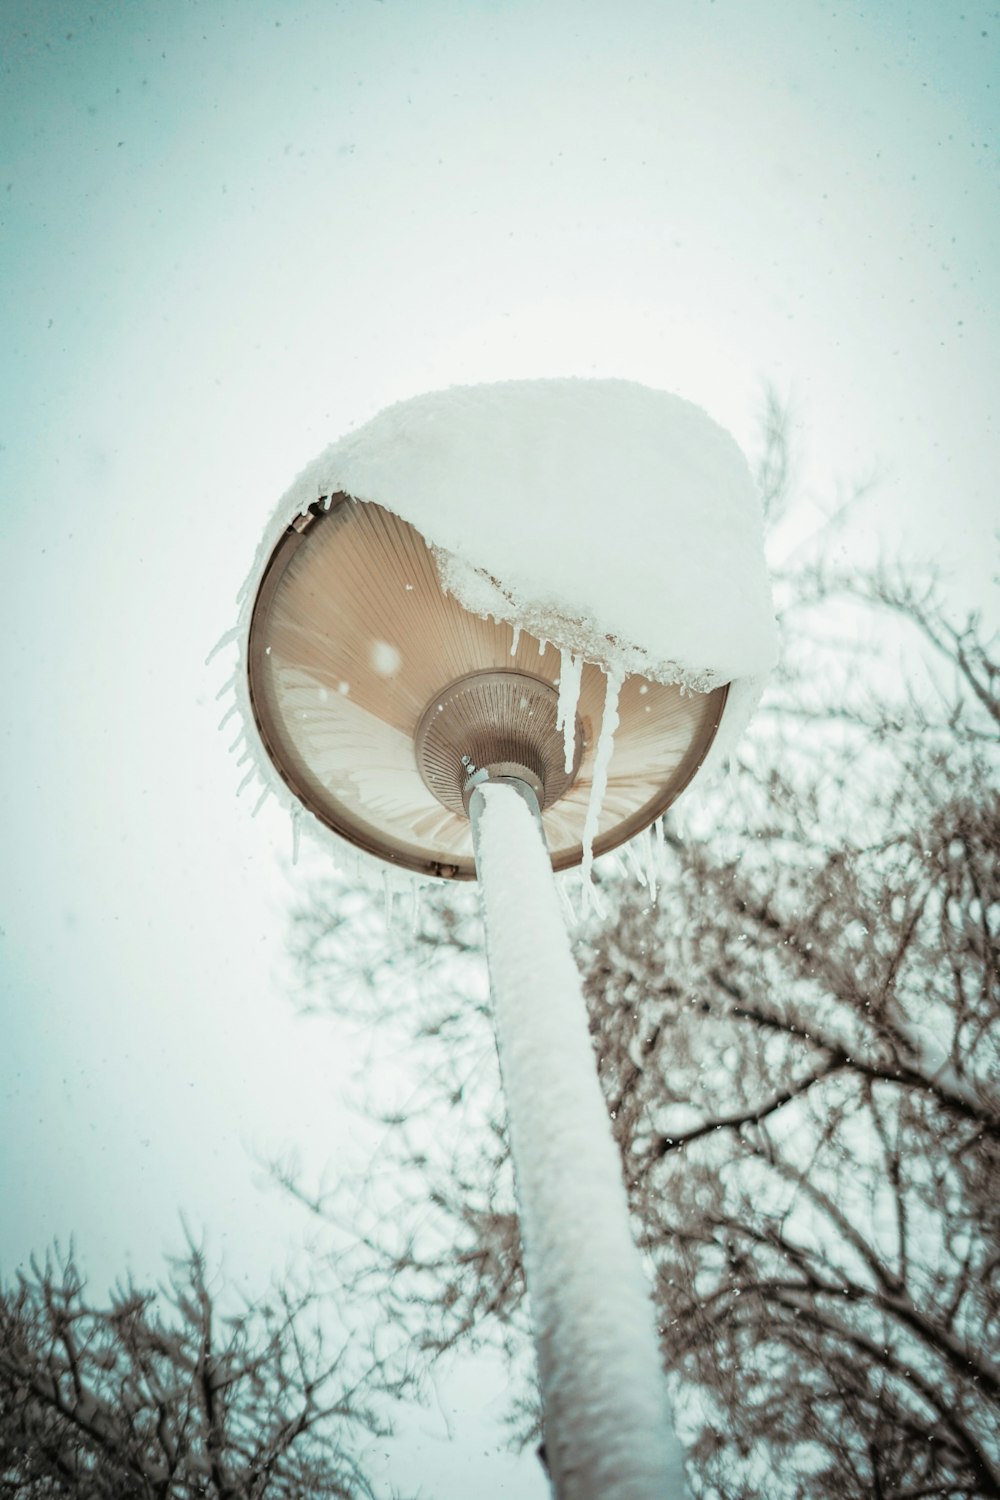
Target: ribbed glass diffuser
379	699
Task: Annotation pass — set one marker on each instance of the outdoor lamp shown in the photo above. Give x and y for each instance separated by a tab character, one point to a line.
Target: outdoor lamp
495	634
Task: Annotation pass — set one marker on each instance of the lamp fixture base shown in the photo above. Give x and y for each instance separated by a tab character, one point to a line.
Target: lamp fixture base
492	726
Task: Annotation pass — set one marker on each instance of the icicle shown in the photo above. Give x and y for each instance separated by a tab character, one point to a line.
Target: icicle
678	822
636	868
237	742
260	801
296	832
246	780
228	685
224	640
570	669
247	755
602	763
649	849
594	900
516	640
415	889
233	707
567	905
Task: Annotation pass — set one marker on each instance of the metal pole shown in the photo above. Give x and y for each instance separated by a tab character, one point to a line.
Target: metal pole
606	1414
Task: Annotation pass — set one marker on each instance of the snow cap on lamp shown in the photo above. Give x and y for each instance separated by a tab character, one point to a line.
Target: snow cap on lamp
616	520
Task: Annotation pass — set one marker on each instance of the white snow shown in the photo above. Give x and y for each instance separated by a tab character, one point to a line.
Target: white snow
608	1426
386	660
625	516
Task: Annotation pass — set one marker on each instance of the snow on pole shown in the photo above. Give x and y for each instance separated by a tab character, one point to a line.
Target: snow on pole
608	1429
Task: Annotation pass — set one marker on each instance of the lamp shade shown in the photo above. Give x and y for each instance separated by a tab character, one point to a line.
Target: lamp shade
380	700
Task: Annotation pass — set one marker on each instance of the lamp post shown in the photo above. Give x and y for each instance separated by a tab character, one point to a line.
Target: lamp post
454	743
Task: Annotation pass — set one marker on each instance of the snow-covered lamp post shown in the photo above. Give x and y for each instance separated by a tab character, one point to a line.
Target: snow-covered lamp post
496	632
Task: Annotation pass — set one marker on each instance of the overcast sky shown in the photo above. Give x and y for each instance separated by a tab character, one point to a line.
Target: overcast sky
233	230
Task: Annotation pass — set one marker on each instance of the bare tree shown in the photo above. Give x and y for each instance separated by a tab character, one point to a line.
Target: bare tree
805	1075
158	1396
795	1005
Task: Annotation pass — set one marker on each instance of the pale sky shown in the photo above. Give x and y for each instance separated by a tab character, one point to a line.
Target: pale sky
233	230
